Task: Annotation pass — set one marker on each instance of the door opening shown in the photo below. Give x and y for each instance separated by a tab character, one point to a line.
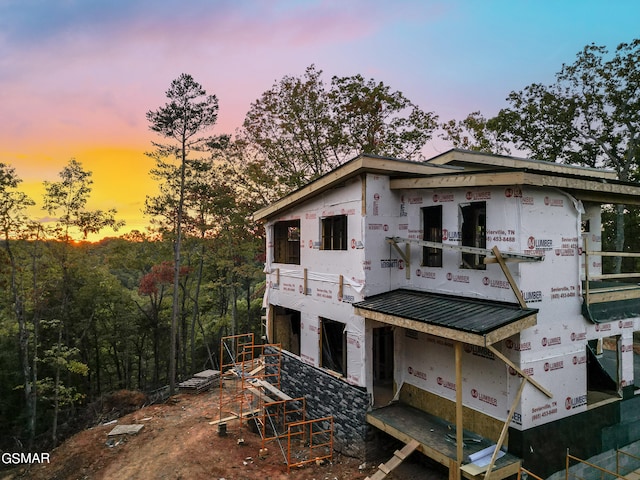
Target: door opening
383	387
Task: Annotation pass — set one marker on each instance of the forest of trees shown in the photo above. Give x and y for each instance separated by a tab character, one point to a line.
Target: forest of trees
142	311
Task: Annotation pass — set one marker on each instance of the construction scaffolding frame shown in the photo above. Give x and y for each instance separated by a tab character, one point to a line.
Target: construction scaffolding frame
316	438
247	370
278	415
250	391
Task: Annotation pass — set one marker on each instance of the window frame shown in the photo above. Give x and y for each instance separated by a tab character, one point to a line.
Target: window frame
473	231
333	346
334	232
286	242
432	232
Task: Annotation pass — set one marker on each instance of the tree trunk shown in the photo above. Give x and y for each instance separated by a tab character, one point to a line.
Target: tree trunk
176	272
234	310
23	341
196	310
56	393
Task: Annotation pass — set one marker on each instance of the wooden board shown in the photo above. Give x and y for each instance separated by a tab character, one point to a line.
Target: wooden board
435	437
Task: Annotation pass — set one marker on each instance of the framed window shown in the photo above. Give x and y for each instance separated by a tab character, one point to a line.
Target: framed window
286	242
333	355
334	233
474	233
432	228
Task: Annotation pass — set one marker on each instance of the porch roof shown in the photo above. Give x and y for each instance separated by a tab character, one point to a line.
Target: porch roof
473	321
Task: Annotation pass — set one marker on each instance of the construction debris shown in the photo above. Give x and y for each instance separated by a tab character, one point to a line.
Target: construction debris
200	382
125	430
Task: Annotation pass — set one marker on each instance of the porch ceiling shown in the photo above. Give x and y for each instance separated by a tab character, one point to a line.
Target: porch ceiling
472	321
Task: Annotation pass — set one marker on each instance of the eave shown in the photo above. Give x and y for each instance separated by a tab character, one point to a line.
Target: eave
586	189
471	160
361	164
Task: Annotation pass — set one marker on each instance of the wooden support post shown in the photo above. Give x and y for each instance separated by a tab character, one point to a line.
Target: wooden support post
304	282
277	276
407	265
363	199
459	423
341	287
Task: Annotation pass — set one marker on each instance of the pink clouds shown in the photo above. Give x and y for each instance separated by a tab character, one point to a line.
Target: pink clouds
76	76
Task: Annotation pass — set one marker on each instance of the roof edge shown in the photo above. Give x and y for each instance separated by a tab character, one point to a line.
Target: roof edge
365	163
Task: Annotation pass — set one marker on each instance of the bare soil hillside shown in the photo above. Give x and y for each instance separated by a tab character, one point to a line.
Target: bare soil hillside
178	441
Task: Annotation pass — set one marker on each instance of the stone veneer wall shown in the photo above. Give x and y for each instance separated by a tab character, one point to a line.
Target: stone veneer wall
325	396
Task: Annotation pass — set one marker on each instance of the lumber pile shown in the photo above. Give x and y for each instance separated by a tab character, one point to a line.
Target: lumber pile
200	382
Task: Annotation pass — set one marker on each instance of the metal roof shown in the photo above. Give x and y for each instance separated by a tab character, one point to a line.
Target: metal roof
473	316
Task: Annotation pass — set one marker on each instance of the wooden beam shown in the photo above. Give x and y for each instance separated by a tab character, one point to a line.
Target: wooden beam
597	295
520	372
348	170
511	329
466	249
505	429
407	266
449	333
340	287
363	193
583	188
468	159
455	180
507	274
304	282
436	330
400	252
459	424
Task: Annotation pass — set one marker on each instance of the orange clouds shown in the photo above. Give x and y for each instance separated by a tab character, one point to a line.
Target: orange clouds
120	180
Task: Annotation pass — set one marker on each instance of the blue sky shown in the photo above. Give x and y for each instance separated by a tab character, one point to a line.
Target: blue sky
78	76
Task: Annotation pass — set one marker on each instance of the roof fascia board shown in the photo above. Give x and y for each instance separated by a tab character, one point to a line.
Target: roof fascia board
361	164
583	189
482	160
492	337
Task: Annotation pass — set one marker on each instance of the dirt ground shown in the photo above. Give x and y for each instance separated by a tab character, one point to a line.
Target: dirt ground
178	441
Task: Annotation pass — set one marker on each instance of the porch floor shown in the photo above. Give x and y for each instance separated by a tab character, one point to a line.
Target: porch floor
437	439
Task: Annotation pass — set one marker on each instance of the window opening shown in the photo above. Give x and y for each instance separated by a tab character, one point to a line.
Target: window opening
286	242
334	346
432	228
603	369
286	329
473	231
334	233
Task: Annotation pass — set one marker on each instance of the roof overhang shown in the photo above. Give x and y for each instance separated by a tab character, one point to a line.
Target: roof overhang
354	167
473	321
472	160
582	188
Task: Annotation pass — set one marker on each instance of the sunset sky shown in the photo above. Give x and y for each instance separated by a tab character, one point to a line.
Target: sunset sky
78	76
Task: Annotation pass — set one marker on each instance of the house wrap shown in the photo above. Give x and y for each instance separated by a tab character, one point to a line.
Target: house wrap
469	287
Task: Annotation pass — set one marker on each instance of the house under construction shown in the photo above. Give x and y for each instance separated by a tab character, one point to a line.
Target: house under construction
459	305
